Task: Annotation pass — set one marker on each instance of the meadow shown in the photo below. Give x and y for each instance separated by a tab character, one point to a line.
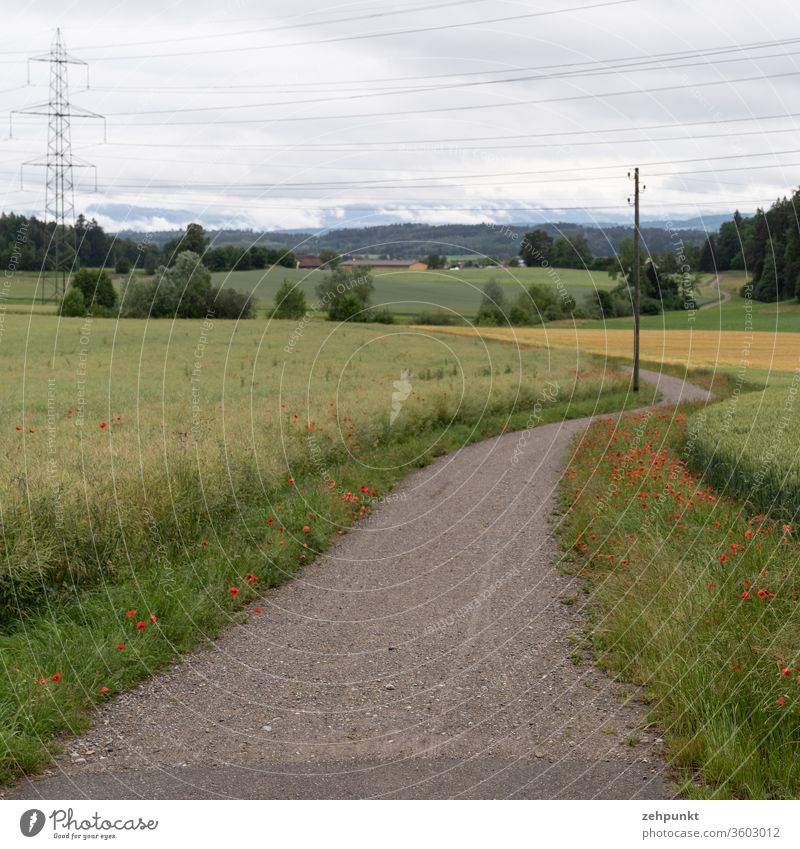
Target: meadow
159	475
407	293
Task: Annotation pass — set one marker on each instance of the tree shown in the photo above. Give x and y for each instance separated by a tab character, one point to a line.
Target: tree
123	265
536	246
184	291
290	302
708	259
72	304
435	261
767	287
330	258
492	310
194	240
570	253
96	287
345	293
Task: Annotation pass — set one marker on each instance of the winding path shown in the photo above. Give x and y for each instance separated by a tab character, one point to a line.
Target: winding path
426	654
724	294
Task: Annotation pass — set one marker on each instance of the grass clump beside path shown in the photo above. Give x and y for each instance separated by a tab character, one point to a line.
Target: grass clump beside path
163	476
696	598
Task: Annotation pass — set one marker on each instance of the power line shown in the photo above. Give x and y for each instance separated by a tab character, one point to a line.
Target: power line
631	69
396	113
364	36
379	145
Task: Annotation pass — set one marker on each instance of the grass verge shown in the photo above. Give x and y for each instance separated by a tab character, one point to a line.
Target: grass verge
696	599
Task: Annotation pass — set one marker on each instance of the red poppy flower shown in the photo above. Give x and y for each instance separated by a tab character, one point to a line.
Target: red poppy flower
31	430
256	610
302	557
786	671
140	626
19	427
153	618
251	578
781	701
762	593
43	680
306	529
290	480
118	419
103	691
56	678
234	591
103	425
120	646
130	613
736	666
745	594
204	543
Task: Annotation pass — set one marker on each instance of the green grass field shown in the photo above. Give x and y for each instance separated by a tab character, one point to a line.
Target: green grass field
175	470
738	313
410	293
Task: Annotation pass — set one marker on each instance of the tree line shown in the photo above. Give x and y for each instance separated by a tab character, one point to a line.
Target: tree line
766	245
26	243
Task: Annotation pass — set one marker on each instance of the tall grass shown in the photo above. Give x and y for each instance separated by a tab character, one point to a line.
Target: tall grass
747	447
695	597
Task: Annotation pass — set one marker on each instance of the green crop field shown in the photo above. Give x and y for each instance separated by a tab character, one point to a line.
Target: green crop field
174	468
412	292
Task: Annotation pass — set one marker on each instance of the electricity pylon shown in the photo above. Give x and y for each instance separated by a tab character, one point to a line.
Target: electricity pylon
59	161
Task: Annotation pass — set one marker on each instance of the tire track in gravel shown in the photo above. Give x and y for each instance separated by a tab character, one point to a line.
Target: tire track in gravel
424	655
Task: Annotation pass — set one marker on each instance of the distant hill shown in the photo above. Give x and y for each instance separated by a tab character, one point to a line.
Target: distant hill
401	241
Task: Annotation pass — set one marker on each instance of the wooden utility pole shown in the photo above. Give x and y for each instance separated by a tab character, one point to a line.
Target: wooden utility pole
636	282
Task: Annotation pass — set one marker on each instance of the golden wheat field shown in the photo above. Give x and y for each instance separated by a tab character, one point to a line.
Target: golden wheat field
690	348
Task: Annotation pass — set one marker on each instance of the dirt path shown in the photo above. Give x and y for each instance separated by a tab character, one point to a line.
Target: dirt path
724	295
427	654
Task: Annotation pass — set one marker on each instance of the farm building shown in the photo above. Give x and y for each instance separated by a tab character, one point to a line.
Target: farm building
384	266
309	261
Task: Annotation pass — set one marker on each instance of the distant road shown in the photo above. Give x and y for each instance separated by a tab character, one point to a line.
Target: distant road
724	296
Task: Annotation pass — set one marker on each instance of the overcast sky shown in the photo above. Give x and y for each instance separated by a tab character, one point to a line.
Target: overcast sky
294	114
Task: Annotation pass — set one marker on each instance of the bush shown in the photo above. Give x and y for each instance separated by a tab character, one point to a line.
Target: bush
290	302
345	293
380	315
72	304
492	311
96	287
123	265
184	291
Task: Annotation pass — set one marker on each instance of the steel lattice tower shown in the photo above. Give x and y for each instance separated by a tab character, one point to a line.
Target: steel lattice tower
59	161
